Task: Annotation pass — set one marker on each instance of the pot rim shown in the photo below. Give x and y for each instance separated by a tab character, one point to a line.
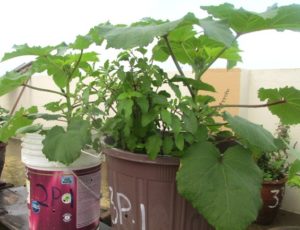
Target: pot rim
275	182
140	158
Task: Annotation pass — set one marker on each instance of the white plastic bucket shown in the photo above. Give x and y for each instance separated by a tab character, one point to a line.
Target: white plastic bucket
61	197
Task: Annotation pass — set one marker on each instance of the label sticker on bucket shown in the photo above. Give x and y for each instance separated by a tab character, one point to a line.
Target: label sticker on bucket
69	179
35	205
67	217
66	198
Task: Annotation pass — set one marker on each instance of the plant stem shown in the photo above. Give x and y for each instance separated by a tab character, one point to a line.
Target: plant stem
68	89
250	106
44	90
177	64
77	64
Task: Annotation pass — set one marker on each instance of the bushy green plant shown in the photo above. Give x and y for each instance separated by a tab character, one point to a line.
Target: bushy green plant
72	70
275	165
222	183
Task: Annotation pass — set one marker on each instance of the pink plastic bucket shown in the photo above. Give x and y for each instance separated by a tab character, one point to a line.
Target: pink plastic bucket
61	197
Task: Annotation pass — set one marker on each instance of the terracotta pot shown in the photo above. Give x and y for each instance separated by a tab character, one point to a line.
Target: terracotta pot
143	194
272	194
2	156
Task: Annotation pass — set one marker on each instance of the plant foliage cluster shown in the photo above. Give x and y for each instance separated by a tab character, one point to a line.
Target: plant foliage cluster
143	109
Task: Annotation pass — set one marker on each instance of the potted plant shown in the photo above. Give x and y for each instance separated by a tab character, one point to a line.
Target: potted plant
62	178
217	173
275	169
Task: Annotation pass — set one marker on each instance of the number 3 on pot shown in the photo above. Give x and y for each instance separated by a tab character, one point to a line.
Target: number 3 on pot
276	193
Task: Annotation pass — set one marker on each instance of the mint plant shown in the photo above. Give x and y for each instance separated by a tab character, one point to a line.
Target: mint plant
72	70
217	180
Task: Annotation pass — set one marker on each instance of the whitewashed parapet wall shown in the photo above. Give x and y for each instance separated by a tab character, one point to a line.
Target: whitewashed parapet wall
251	81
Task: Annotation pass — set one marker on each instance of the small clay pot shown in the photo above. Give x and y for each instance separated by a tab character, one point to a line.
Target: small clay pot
272	194
2	156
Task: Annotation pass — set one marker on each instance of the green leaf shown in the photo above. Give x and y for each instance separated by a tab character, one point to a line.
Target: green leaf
153	145
168	144
175	89
293	175
143	103
179	141
84	57
81	42
219	186
12	80
65	146
255	135
129	94
140	34
54	66
166	116
45	116
217	30
25	50
198	85
190	123
243	21
147	118
182	33
29	129
17	121
125	106
289	111
176	124
53	106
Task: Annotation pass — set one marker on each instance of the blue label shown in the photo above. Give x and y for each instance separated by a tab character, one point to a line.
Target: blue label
67	180
35	205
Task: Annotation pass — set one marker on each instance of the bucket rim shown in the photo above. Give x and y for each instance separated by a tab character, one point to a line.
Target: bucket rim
140	158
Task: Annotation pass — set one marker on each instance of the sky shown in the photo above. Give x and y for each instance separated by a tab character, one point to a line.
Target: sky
49	22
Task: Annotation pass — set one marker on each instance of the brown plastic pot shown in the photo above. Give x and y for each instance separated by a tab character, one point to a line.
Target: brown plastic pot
272	194
143	194
2	156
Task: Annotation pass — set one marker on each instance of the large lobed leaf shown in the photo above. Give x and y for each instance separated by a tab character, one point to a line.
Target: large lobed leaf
287	112
25	50
12	80
65	146
243	21
255	136
219	187
139	34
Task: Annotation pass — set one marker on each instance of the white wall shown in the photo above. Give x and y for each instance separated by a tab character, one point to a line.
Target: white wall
251	81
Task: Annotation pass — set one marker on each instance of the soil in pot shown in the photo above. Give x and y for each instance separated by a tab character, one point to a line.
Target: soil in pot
143	194
272	194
